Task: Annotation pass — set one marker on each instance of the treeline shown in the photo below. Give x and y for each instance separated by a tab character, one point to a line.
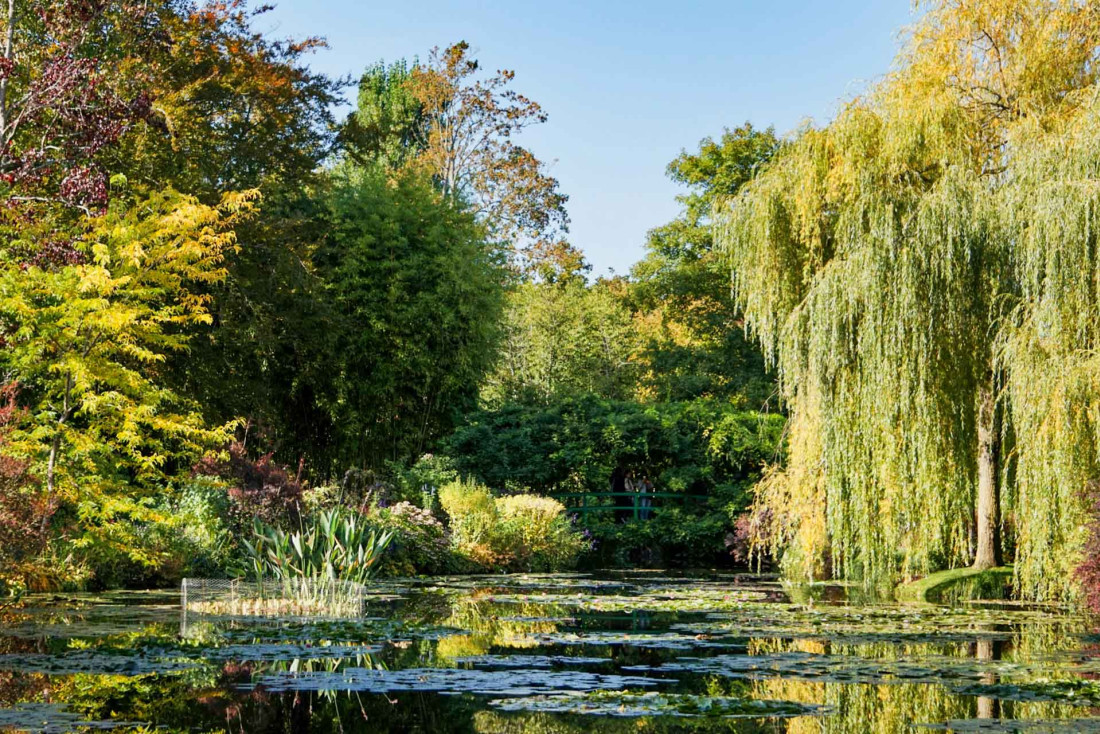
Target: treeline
219	302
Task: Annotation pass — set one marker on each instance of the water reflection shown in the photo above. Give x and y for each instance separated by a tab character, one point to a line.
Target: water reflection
552	654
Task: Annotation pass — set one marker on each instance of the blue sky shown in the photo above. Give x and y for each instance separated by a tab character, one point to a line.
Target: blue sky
627	85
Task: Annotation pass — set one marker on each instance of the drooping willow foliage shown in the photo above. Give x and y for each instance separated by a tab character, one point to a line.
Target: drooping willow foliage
1049	346
931	251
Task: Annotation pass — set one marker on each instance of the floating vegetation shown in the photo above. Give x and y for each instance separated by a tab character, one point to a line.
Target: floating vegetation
452	680
528	661
52	719
652	640
1076	692
716	597
560	654
854	669
615	703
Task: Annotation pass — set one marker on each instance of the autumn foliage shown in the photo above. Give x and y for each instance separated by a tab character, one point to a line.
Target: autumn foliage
24	510
258	488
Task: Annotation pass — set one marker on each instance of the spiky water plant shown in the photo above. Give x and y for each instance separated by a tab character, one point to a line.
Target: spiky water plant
335	545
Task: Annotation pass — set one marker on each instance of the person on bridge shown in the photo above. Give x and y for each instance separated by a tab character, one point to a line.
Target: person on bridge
645	488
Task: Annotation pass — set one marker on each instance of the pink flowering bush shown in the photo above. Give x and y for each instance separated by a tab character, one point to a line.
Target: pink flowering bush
420	545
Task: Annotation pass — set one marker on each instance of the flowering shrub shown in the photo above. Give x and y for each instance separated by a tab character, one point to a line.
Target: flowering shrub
751	540
420	542
537	533
1088	572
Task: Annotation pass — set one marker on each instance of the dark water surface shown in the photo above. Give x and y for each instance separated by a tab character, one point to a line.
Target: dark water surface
630	652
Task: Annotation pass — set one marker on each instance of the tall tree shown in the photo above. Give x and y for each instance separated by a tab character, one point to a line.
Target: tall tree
680	291
88	343
416	293
234	109
876	261
442	118
564	339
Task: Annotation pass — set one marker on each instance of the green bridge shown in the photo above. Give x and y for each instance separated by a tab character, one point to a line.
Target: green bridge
584	503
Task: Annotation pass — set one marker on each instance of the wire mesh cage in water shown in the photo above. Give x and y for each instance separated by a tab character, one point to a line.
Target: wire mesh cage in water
304	597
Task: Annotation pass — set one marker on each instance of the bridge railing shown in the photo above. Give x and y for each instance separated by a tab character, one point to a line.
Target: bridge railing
585	503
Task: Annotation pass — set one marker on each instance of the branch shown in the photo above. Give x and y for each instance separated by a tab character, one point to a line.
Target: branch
9	42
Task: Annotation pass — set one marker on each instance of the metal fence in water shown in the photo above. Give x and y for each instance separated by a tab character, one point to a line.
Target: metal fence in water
318	597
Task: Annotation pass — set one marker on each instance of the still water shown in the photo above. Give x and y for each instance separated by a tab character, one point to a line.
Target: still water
629	652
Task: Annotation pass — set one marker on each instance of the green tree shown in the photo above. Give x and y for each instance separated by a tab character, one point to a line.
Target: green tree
444	120
416	292
563	339
388	127
234	109
679	292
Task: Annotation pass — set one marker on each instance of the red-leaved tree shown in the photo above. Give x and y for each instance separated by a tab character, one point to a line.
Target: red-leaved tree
24	509
258	488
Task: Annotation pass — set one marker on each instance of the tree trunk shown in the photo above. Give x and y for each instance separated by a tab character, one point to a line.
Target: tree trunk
9	41
55	445
988	651
988	552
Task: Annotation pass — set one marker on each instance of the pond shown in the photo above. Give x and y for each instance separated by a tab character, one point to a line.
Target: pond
612	652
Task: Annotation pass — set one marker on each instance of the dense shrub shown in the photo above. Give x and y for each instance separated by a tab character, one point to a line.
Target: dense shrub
512	533
208	544
537	533
706	447
576	444
420	482
420	544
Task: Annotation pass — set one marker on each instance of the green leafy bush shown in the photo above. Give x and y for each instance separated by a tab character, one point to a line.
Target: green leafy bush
207	543
420	483
514	533
710	449
420	544
538	534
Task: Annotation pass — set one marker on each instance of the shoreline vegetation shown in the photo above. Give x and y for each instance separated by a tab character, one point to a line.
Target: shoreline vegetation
243	337
314	416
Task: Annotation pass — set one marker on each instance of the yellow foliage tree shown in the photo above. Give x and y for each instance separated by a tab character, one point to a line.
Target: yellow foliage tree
87	342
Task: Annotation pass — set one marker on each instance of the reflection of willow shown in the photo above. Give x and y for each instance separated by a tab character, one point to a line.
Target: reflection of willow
859	708
495	722
1044	641
488	625
862	707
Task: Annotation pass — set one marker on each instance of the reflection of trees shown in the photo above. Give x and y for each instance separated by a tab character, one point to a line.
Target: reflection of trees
987	650
489	625
494	722
19	687
861	707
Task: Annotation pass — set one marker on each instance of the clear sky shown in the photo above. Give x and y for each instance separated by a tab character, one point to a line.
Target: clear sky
627	85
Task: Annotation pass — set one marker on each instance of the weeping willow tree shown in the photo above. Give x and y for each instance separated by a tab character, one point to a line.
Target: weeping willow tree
918	277
1049	344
